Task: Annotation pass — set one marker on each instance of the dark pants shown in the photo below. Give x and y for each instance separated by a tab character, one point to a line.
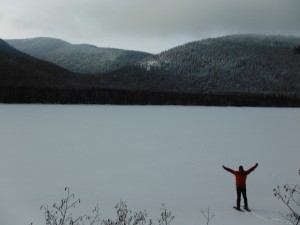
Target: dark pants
239	192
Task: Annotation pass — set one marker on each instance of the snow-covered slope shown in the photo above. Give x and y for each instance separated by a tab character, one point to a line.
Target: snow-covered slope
234	63
146	156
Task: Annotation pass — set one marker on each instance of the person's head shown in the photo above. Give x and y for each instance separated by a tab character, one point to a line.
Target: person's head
241	169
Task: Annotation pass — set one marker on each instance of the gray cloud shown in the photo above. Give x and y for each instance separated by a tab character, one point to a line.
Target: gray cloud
146	25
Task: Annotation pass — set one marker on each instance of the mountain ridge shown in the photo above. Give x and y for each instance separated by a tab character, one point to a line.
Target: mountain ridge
231	70
19	69
235	63
78	58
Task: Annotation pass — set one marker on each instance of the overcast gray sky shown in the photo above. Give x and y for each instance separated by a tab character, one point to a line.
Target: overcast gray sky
147	25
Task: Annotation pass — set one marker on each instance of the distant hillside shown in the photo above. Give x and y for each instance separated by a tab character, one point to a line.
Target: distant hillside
236	63
6	48
21	70
240	70
79	58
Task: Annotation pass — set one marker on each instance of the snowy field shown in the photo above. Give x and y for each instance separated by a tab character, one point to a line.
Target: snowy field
146	155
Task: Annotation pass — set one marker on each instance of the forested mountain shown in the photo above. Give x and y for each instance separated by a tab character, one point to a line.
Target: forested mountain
236	63
79	58
21	70
239	70
6	48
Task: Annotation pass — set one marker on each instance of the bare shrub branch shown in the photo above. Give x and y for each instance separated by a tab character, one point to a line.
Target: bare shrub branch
125	217
206	214
290	196
61	214
165	216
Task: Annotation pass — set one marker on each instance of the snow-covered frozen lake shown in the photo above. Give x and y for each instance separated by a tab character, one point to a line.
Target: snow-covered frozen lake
146	155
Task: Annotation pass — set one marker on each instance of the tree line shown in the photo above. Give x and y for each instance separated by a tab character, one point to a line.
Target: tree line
130	97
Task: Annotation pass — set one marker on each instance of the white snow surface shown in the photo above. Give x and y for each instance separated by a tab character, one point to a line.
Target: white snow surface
146	156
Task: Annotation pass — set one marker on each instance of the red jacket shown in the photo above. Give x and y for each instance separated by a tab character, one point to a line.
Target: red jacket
240	176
